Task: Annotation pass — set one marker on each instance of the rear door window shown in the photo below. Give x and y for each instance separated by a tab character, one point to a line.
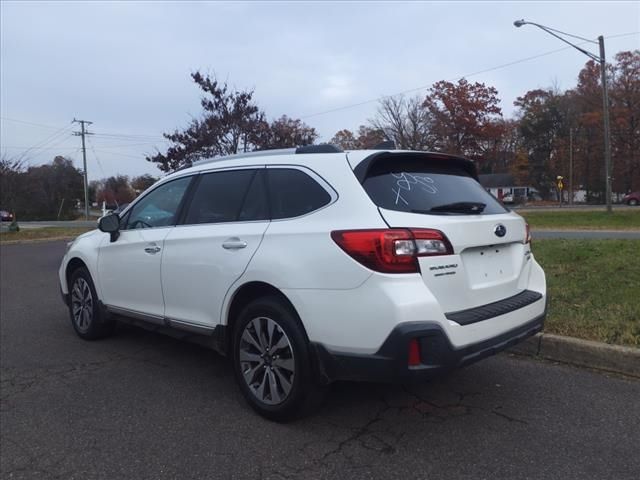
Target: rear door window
219	197
293	193
415	186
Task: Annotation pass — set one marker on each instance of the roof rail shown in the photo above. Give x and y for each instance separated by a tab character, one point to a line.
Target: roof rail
324	148
258	153
386	145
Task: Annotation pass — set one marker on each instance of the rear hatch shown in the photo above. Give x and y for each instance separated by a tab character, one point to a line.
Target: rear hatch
490	260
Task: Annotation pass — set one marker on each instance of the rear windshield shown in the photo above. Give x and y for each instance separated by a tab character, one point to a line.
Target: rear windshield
416	186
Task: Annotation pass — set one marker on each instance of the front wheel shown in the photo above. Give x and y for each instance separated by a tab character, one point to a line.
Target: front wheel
272	361
84	309
633	202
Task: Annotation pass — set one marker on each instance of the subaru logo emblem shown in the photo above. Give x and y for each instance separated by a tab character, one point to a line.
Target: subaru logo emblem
500	230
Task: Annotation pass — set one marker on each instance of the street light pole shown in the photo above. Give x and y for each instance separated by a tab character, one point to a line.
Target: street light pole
605	111
605	93
571	166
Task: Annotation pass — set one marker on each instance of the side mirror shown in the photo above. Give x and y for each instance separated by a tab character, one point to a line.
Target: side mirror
110	224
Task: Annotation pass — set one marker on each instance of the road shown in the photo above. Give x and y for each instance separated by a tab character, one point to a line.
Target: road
577	206
140	405
60	223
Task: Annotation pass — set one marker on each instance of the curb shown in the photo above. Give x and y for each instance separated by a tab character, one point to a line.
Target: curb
584	353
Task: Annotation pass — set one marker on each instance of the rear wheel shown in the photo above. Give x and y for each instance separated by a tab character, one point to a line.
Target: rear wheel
272	362
84	309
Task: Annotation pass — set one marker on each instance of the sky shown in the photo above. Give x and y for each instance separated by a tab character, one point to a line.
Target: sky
125	66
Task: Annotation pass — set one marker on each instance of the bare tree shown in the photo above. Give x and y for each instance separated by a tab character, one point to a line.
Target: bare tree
404	121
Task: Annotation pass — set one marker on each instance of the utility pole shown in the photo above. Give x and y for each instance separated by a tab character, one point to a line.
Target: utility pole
605	108
82	133
571	166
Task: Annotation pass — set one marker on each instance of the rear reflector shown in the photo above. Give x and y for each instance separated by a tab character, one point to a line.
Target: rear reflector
414	353
392	250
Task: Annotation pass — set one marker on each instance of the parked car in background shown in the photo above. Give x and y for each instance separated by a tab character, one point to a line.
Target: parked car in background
314	265
6	216
632	198
508	198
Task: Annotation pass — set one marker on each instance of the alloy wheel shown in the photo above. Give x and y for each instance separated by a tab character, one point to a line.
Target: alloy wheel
82	304
266	360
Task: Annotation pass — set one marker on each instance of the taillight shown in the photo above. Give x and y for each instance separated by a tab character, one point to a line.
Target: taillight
394	250
527	235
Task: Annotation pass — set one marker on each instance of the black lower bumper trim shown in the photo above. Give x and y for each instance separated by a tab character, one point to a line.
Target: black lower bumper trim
390	362
491	310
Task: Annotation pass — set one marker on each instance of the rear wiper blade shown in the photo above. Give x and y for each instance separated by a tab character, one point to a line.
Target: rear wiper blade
464	207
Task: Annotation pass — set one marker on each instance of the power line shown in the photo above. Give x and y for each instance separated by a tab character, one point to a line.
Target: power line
137	157
29	123
57	143
117	147
131	136
16	147
46	141
424	87
96	155
109	134
628	34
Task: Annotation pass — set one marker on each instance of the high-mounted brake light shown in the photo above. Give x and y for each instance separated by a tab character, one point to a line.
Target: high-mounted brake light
393	250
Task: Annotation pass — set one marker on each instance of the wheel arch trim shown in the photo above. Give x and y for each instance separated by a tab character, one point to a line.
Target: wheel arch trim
247	292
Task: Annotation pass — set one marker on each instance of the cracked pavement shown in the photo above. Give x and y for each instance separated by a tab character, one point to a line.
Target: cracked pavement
141	405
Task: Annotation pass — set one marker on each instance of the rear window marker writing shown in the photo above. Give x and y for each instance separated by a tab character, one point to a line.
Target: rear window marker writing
405	180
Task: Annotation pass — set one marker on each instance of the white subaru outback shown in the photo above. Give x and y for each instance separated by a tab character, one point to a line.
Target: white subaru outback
312	265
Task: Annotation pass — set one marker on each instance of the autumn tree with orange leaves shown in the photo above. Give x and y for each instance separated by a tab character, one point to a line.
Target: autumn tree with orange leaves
230	122
547	118
466	118
366	138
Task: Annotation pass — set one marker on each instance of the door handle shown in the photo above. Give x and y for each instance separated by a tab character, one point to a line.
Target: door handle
233	243
152	250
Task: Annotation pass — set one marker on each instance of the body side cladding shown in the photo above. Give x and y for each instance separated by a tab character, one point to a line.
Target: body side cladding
214	338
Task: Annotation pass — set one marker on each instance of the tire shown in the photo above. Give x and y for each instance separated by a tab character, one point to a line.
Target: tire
633	202
84	308
272	362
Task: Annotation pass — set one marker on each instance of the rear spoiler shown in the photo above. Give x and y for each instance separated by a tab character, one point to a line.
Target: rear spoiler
441	159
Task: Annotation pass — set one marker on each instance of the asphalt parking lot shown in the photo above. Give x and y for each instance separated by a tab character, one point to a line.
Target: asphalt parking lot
140	405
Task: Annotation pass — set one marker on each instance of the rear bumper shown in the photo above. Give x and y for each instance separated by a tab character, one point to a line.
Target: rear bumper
390	362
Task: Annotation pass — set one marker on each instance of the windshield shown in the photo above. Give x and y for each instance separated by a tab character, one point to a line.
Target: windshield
416	186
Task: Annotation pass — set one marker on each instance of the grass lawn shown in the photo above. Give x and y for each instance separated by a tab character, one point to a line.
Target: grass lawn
594	288
42	233
628	219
